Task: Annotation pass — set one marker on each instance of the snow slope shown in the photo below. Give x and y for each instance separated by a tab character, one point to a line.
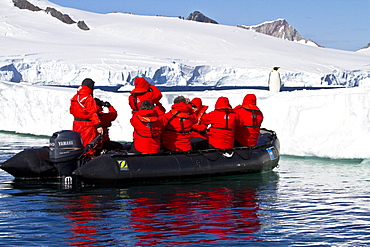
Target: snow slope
41	49
38	50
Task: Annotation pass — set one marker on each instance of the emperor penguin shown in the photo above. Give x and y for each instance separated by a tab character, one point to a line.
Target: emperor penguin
274	80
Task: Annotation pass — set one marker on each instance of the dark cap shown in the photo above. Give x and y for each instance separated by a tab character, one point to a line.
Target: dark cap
146	105
88	83
179	99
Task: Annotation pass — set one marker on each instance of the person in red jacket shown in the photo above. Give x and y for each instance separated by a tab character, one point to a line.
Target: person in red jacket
106	119
85	112
223	121
177	126
144	91
147	129
199	130
250	119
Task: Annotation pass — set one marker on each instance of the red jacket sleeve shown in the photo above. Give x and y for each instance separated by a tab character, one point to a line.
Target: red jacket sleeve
157	95
91	110
107	118
206	119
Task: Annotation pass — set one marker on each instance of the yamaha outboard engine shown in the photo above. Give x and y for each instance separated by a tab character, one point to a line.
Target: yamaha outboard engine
64	148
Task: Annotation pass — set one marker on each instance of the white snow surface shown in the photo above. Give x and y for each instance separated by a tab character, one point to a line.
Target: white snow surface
38	50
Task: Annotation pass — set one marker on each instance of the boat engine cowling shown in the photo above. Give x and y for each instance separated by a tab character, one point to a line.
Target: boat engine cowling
64	149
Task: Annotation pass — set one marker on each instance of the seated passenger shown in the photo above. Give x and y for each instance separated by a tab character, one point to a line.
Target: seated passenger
147	129
222	120
199	130
250	119
178	123
144	91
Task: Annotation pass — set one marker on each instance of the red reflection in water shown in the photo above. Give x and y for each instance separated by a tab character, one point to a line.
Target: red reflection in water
186	217
85	232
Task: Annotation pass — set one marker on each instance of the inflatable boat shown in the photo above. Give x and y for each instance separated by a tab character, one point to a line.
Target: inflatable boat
65	157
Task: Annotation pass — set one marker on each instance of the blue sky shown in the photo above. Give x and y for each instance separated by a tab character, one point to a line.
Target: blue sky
339	24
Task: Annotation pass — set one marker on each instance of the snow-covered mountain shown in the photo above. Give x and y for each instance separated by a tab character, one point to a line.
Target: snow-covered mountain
41	49
280	29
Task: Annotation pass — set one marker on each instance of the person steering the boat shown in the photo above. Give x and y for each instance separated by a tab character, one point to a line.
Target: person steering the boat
85	112
148	126
222	123
177	126
144	91
248	127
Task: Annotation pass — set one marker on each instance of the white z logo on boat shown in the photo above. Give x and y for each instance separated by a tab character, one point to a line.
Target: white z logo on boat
228	155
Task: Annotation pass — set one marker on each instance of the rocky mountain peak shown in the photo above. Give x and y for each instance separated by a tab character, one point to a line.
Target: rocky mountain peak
365	47
280	29
24	4
198	16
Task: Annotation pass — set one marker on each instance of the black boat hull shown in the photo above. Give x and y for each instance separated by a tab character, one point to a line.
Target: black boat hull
121	168
32	163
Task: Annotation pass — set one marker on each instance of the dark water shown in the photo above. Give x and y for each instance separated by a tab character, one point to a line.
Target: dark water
304	202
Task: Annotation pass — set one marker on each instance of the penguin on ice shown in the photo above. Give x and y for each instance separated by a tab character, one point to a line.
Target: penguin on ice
274	80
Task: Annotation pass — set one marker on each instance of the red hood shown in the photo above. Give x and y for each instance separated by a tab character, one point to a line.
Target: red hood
147	116
148	113
197	102
141	85
222	103
181	106
250	102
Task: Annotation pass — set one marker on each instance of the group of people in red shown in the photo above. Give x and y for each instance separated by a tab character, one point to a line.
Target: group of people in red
187	126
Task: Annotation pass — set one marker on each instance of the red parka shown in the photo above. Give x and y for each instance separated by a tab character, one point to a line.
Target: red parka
178	123
199	129
106	119
85	112
223	121
250	119
147	131
144	91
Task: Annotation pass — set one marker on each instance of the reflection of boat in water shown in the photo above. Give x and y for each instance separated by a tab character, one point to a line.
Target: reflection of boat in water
225	210
65	156
217	213
219	209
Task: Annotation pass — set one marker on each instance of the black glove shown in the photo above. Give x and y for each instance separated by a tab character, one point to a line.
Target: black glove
99	102
107	104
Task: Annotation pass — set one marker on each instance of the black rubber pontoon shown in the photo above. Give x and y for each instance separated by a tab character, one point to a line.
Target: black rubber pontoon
65	157
122	168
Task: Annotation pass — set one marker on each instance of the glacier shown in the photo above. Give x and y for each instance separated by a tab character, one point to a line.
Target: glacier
332	123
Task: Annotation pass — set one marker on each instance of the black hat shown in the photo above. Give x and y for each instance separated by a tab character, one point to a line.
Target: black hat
179	99
146	105
88	83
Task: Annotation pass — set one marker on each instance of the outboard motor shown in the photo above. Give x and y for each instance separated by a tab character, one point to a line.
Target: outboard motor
64	149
